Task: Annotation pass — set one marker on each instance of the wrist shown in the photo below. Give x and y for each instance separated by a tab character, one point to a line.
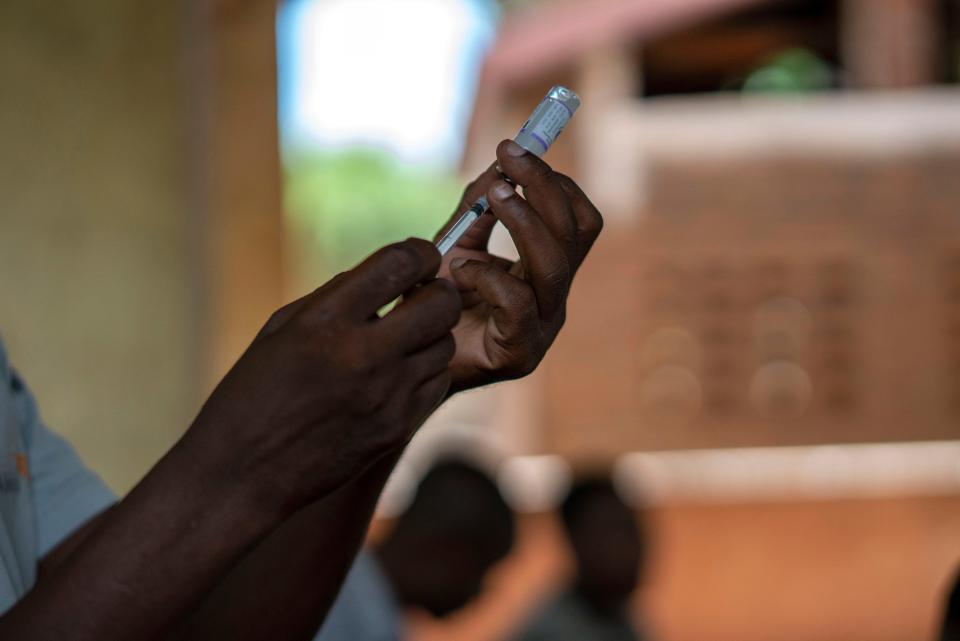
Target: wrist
216	479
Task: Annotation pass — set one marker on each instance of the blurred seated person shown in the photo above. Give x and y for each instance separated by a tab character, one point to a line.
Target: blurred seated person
951	619
434	559
608	548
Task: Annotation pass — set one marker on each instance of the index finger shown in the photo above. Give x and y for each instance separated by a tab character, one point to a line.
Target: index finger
424	316
383	277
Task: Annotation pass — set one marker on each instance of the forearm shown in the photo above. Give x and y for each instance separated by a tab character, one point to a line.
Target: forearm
321	393
284	588
148	563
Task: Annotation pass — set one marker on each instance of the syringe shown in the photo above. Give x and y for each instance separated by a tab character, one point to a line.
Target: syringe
536	136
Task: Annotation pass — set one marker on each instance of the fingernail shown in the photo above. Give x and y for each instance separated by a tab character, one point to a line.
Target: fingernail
513	149
502	190
457	263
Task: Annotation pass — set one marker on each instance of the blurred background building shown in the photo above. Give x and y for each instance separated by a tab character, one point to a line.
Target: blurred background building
765	345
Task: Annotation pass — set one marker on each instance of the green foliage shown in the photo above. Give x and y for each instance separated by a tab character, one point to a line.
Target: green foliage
344	205
791	71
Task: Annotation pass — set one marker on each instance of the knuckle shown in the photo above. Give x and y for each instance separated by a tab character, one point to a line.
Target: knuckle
305	321
525	365
542	172
529	366
374	394
276	320
355	356
559	276
317	315
522	214
560	319
594	224
330	284
569	186
525	298
533	361
401	260
367	399
592	221
568	183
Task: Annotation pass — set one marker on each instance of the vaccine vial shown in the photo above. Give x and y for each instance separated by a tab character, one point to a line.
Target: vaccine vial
548	120
541	130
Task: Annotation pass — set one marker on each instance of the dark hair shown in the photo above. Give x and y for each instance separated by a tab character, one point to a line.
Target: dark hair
458	499
608	541
584	492
951	616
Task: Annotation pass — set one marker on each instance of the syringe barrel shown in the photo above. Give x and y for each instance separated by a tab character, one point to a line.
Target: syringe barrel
548	120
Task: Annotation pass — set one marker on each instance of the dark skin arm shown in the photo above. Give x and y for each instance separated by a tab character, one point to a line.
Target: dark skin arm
324	536
512	313
313	549
325	392
284	588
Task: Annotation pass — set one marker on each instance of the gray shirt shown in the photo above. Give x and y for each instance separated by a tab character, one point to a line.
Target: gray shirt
570	618
366	609
46	493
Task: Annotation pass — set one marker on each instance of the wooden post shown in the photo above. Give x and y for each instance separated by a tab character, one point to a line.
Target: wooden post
243	226
890	43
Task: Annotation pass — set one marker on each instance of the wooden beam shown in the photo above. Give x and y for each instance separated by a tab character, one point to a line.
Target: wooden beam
243	228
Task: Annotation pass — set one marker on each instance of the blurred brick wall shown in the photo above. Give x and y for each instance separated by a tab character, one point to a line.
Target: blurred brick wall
775	300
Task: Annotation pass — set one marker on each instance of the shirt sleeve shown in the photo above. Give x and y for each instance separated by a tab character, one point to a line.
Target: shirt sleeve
535	633
65	493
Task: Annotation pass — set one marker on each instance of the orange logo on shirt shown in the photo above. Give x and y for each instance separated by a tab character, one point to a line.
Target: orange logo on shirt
23	465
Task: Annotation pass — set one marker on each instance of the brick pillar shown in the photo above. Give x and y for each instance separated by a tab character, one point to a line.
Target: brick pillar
608	79
243	227
890	43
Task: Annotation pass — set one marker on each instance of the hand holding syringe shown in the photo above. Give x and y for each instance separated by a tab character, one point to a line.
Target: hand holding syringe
536	136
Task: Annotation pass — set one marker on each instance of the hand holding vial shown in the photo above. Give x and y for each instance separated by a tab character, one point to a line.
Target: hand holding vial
512	311
540	131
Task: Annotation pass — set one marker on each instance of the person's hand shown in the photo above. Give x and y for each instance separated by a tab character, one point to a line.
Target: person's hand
512	311
328	386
